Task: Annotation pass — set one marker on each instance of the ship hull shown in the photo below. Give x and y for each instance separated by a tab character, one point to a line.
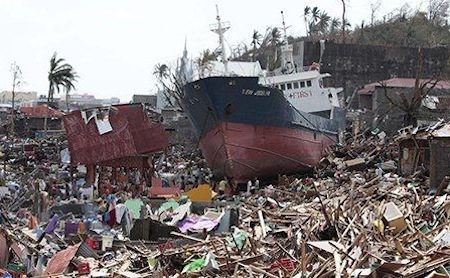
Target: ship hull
246	130
245	151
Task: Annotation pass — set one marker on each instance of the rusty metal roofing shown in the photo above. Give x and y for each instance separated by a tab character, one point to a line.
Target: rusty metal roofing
61	260
132	134
401	83
41	111
4	252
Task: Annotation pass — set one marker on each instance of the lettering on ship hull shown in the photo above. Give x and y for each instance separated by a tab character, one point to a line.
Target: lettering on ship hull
258	93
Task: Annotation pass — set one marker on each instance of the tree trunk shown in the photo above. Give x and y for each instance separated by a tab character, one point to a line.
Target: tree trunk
343	21
67	101
13	93
50	90
410	119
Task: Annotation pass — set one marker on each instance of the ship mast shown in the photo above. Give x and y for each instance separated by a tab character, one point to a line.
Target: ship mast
220	28
284	29
287	50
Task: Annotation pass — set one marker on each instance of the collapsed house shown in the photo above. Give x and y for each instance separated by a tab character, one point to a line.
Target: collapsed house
428	149
115	136
39	118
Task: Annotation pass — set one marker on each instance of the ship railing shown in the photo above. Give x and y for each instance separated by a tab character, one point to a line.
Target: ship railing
302	69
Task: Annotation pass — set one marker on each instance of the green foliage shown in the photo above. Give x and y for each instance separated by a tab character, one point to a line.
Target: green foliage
60	76
415	29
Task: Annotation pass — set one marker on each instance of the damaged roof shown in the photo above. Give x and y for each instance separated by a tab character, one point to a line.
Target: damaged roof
129	132
439	129
368	89
41	111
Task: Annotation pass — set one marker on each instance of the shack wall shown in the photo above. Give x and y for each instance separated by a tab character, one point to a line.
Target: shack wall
439	160
412	155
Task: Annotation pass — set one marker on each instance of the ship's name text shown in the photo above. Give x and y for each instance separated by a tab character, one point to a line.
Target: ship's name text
258	93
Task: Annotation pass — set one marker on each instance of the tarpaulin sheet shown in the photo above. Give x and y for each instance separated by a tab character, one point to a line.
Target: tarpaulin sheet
132	134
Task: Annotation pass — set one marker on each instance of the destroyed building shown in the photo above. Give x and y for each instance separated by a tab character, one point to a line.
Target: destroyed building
149	100
116	136
378	111
40	117
426	149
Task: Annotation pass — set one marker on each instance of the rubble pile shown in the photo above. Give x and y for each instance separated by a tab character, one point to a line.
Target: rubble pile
179	167
355	216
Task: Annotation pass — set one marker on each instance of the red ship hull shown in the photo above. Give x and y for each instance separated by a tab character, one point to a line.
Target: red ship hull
244	151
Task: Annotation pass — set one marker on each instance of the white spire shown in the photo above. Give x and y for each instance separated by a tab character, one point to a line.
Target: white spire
220	28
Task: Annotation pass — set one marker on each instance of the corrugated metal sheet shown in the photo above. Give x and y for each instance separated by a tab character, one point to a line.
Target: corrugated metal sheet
4	252
401	83
86	252
61	260
444	131
133	134
41	111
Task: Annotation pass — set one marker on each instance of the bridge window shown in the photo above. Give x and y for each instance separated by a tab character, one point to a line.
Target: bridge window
283	87
289	86
308	83
302	84
295	85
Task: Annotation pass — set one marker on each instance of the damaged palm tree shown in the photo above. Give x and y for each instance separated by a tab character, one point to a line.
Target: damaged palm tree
61	75
411	105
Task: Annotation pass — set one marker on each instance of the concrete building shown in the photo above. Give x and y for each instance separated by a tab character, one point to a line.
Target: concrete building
379	112
20	97
82	101
150	100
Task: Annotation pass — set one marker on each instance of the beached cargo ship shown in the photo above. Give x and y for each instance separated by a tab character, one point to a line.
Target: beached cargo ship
253	124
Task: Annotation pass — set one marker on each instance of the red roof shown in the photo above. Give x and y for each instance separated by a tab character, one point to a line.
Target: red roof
132	134
41	111
368	89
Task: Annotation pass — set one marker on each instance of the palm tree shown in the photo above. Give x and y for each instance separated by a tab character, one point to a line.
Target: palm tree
204	61
68	88
311	16
161	71
256	41
315	14
275	39
306	13
335	23
324	22
61	75
343	21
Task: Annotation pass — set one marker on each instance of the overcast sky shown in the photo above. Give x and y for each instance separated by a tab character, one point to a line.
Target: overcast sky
114	44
